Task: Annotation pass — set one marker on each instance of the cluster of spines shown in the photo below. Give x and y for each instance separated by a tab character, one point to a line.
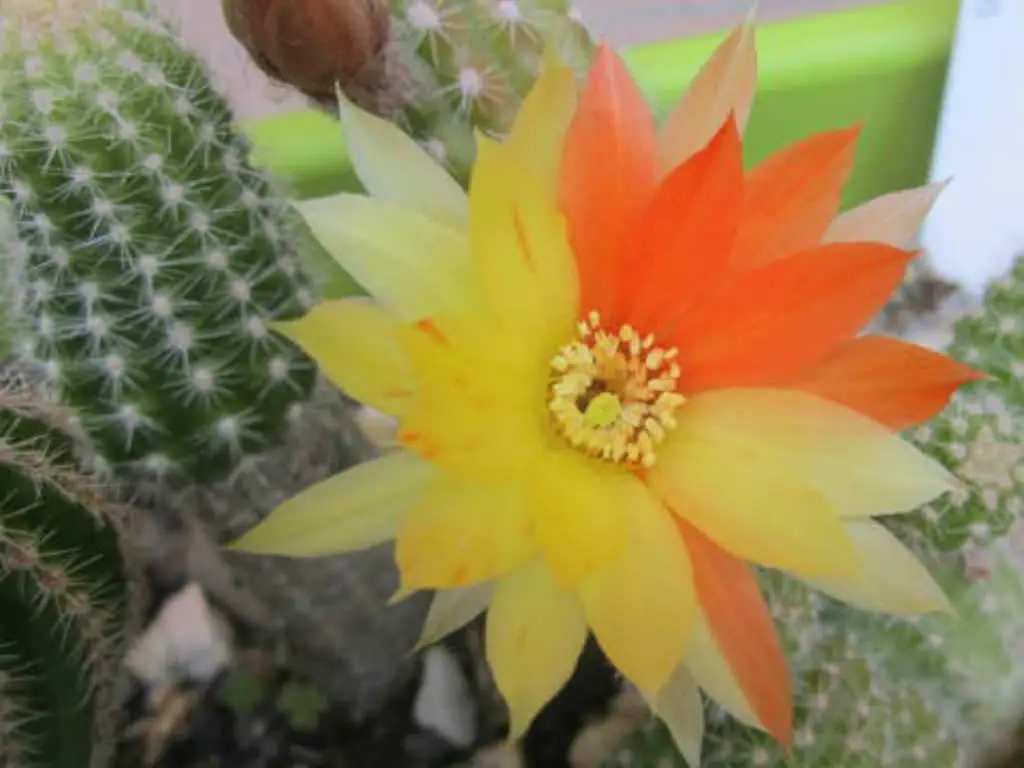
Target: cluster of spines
469	63
68	594
153	257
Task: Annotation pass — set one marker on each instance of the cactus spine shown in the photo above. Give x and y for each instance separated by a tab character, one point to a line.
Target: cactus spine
880	691
68	597
472	62
152	255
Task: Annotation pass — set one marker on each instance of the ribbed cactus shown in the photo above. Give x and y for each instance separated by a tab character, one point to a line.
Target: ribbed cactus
152	255
68	597
439	68
876	691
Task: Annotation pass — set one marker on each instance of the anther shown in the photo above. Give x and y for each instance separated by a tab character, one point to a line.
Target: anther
612	395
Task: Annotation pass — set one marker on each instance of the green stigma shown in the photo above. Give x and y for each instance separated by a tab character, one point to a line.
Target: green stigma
603	410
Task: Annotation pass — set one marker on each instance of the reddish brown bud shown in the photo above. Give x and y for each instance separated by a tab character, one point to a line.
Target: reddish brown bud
313	44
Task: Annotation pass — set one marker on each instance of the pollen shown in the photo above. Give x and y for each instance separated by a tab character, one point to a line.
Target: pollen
612	395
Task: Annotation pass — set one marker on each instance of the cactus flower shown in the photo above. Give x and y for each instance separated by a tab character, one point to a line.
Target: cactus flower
625	371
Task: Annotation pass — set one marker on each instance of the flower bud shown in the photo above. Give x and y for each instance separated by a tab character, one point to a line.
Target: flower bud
313	44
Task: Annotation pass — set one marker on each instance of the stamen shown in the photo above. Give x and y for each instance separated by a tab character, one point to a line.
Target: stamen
613	395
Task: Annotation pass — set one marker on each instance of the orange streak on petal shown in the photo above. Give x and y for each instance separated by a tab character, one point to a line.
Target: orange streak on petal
793	196
609	170
769	323
891	381
685	235
429	327
742	625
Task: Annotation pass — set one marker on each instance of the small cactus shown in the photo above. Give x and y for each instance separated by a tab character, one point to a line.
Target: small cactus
152	256
934	691
68	597
449	67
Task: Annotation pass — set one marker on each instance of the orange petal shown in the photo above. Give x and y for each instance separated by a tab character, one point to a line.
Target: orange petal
893	218
685	236
724	85
793	196
771	322
742	626
609	170
891	381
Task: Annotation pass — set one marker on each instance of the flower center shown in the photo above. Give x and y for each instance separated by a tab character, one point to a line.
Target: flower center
612	395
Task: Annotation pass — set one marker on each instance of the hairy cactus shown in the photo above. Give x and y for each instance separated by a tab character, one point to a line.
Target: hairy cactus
440	69
152	255
151	258
68	597
936	691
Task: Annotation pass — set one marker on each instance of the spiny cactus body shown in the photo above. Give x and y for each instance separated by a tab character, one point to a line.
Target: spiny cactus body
440	69
873	690
67	598
470	62
152	256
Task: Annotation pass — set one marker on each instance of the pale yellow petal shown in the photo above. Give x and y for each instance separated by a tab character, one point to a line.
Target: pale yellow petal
711	672
535	633
579	519
893	218
892	579
359	508
462	532
856	463
725	84
641	606
407	261
680	707
539	128
751	506
395	168
521	251
353	344
452	609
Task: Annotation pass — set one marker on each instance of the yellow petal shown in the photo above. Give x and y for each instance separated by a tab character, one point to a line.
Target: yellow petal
856	463
452	609
711	672
353	344
395	168
535	633
406	260
641	606
462	532
476	412
578	515
751	506
359	508
724	84
679	706
893	219
539	128
520	248
892	579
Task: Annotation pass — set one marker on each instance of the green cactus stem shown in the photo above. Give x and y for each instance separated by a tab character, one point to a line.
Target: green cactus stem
152	257
68	597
